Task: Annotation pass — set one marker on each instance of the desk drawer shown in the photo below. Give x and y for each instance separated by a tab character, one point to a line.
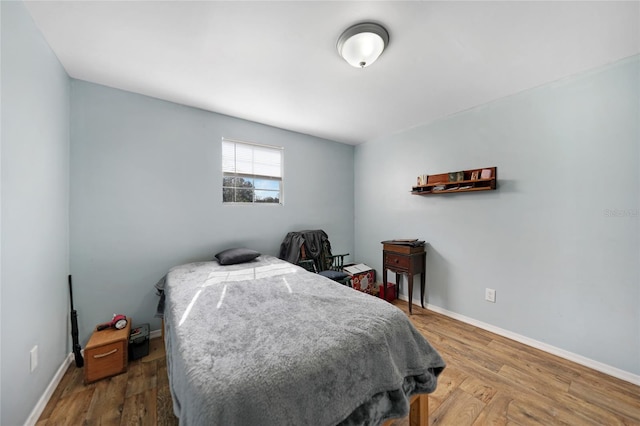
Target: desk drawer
396	261
106	360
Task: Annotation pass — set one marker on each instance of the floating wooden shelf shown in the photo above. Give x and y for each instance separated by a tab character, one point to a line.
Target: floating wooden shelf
447	183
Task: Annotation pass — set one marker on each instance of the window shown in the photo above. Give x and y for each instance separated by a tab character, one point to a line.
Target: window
251	173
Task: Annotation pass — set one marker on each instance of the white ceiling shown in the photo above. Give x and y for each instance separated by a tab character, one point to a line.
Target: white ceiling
276	62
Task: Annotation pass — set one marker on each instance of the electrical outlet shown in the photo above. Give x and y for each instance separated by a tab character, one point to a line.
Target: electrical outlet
34	358
490	295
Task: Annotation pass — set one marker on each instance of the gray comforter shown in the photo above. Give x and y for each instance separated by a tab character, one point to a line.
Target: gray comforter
268	343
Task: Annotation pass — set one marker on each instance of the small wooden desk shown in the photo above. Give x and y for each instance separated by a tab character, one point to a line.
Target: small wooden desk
408	260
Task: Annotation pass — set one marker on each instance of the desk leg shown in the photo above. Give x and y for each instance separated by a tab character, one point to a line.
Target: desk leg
384	279
410	282
422	282
398	275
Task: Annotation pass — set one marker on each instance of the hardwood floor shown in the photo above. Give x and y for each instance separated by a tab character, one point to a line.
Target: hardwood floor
138	397
489	380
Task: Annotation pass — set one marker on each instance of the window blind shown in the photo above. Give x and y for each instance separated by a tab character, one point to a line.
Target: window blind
252	173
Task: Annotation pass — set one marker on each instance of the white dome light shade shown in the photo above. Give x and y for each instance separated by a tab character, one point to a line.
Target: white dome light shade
362	49
362	44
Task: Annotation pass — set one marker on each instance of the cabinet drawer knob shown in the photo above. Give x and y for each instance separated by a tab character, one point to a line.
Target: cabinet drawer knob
106	354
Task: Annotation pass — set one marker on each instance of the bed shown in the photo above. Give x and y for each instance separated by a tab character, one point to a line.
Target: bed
266	343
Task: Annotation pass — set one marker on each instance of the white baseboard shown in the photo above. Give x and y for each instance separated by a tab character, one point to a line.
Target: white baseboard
44	399
155	334
578	359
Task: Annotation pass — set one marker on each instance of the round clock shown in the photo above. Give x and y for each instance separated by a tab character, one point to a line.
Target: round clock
119	322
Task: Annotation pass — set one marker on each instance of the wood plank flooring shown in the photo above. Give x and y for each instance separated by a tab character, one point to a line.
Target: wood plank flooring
489	380
138	397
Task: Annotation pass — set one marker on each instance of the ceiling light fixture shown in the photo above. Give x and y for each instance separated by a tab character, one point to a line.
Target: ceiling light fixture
362	44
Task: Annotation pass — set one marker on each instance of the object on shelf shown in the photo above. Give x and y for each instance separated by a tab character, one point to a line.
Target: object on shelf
455	176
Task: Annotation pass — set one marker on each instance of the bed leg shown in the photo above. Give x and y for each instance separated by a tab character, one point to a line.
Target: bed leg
419	411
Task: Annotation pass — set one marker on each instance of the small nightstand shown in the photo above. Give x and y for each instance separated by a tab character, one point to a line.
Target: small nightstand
106	353
408	260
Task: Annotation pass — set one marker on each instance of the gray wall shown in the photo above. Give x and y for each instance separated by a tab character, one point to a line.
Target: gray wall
146	196
35	215
559	239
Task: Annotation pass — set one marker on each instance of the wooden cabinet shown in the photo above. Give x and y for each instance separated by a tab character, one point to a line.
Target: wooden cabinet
106	353
403	259
456	182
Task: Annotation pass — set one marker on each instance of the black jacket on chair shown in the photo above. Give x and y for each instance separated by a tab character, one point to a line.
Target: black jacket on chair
316	246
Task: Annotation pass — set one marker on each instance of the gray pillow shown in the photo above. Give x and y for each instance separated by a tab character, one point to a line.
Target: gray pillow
236	255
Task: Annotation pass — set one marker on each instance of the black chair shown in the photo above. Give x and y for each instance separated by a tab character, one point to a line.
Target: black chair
312	251
334	271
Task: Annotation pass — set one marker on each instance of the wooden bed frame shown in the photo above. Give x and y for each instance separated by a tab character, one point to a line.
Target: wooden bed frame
418	406
418	411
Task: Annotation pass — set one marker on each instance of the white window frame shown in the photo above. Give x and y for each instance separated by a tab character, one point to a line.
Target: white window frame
233	167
